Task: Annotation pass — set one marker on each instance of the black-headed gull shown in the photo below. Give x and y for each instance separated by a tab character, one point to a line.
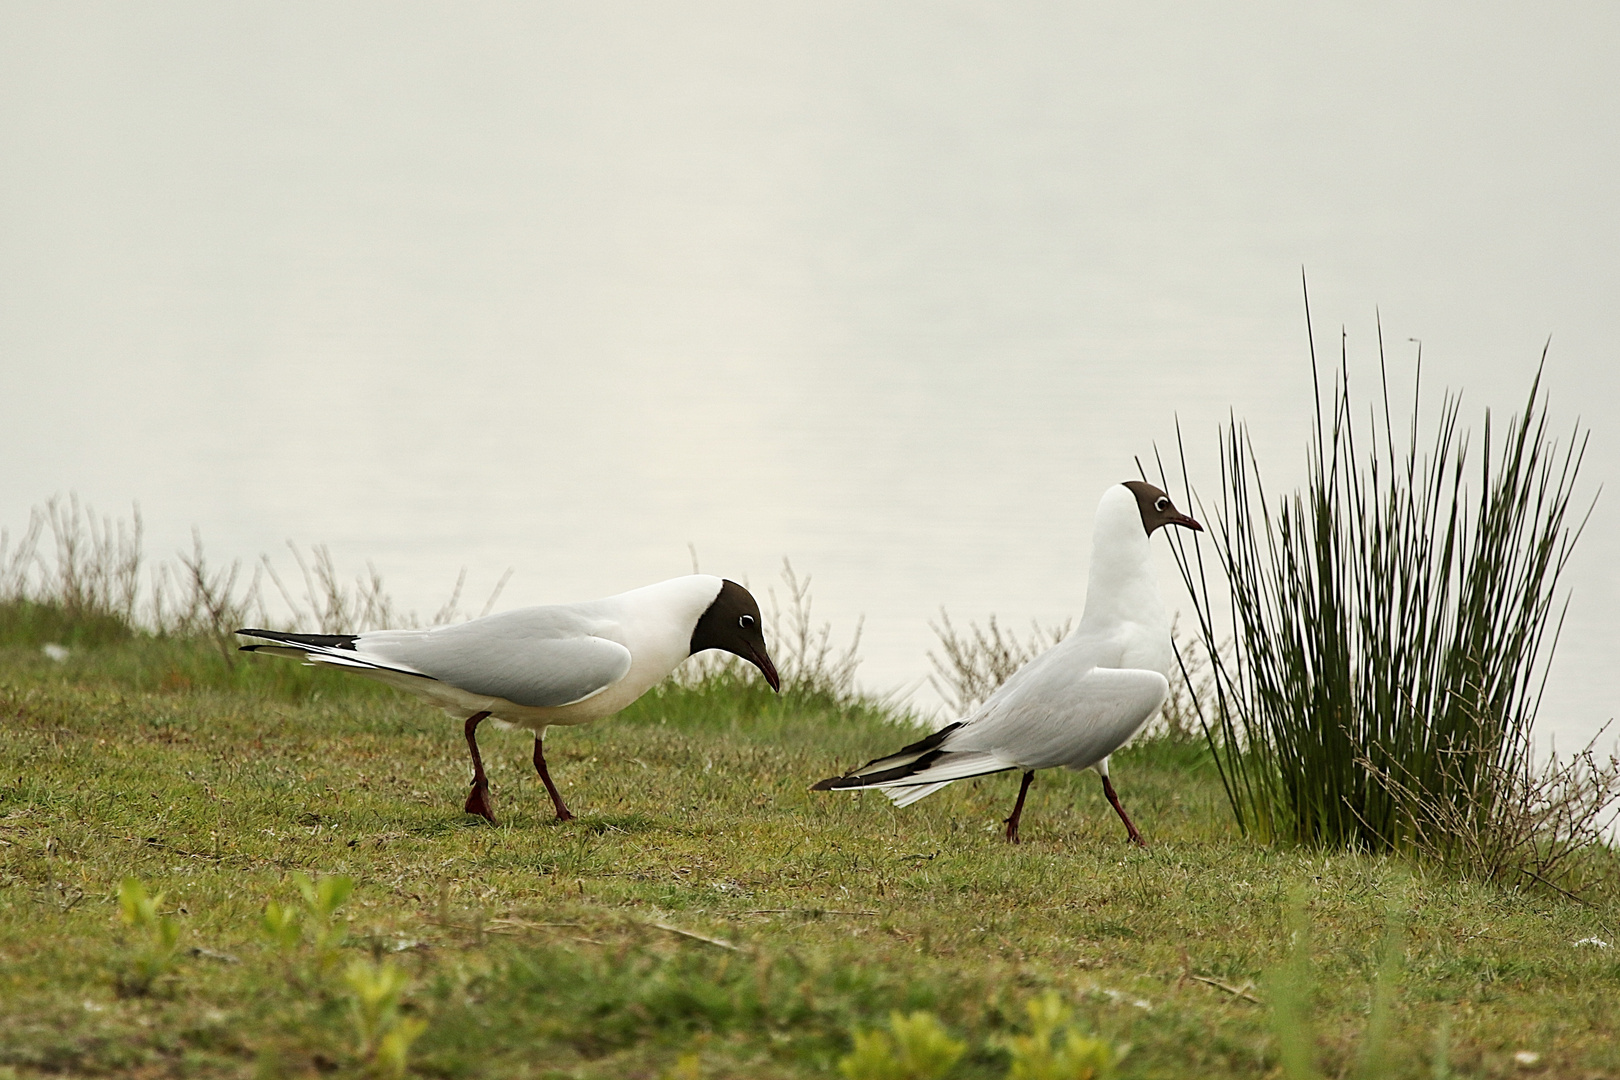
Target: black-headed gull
556	664
1079	701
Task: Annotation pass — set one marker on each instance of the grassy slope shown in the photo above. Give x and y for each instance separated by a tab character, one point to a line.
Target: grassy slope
533	948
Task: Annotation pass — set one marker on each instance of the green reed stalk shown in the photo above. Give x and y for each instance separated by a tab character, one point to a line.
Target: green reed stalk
1390	621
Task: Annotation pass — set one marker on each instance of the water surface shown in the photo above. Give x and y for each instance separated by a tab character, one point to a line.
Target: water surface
895	291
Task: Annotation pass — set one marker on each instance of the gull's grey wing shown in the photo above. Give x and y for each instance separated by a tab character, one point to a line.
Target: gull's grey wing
1074	719
1057	667
541	657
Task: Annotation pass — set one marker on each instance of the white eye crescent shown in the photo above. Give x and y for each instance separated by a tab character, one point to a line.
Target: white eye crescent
746	622
1162	505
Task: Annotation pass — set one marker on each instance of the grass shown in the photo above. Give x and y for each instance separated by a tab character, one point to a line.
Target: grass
706	916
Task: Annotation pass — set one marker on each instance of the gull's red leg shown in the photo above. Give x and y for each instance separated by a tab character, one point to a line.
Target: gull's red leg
1018	809
1108	789
556	796
478	800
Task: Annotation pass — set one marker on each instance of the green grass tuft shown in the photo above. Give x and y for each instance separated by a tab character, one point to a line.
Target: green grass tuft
31	624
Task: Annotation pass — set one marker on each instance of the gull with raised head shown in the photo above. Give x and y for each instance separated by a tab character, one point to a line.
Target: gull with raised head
555	664
1079	701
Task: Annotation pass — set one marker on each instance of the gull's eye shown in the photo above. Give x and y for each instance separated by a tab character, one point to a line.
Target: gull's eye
746	622
1162	505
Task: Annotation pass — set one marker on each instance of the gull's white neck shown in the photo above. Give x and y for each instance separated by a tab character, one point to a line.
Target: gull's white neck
658	620
1121	588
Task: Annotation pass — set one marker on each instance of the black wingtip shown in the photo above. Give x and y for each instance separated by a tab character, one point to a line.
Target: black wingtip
926	749
323	641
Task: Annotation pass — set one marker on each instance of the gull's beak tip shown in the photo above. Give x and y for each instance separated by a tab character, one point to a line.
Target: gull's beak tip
768	669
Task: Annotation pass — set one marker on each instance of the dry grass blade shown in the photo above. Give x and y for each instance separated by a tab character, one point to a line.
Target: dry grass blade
1540	824
1235	991
335	607
695	936
806	657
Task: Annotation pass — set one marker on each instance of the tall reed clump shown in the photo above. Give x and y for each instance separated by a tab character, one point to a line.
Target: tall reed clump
1390	628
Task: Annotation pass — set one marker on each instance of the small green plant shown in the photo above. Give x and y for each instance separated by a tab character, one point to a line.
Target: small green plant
1441	1058
287	927
1290	994
154	956
1373	1060
689	1066
915	1047
322	899
282	926
1054	1049
385	1037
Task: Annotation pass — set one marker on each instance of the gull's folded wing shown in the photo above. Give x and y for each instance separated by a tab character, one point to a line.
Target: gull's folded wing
1056	721
543	657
